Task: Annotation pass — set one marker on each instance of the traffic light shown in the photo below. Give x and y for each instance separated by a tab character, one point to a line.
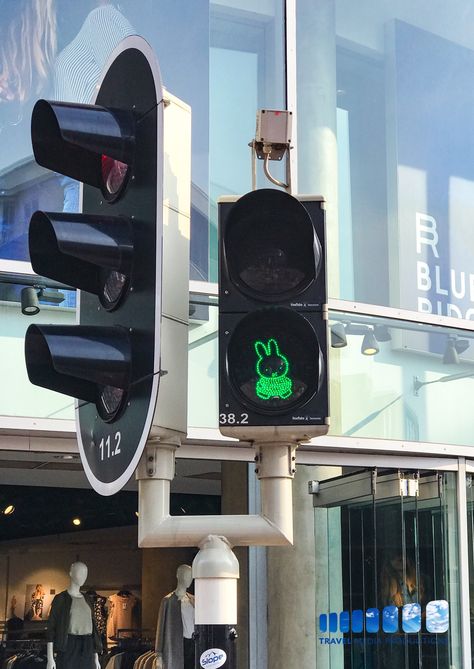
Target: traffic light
111	252
273	377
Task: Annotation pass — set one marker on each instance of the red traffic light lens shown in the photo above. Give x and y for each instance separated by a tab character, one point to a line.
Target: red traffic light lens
114	175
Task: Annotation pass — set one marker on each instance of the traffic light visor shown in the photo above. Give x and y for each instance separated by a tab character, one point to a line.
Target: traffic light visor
91	252
90	143
89	363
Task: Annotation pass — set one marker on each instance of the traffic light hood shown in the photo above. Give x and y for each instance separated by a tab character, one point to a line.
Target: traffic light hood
73	139
78	360
77	249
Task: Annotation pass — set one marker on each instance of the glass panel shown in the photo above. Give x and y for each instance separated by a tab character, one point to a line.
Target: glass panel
391	597
202	362
246	62
411	381
223	58
54	306
408	390
385	89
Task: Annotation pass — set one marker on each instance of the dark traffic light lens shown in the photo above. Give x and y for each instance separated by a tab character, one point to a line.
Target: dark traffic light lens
110	402
114	175
275	252
114	287
274	362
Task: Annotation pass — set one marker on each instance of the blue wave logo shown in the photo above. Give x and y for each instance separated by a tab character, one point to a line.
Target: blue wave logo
437	619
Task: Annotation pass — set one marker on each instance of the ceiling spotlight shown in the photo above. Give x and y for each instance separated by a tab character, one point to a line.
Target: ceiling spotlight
8	510
451	356
338	335
137	514
382	333
29	301
369	344
51	296
356	329
76	521
461	345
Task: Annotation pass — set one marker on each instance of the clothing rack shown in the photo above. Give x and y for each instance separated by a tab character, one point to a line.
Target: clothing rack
27	641
23	634
132	629
133	635
24	646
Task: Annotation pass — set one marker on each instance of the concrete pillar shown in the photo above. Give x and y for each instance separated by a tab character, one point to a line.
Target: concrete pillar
317	140
316	115
298	580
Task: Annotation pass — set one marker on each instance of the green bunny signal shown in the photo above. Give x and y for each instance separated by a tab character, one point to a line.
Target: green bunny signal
272	369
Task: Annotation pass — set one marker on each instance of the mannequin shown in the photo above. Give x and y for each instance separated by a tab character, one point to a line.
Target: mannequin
72	634
174	643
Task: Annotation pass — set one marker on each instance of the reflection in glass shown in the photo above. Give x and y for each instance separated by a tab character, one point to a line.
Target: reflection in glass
409	388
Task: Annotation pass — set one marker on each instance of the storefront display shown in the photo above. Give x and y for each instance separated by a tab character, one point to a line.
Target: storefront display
44	578
81	619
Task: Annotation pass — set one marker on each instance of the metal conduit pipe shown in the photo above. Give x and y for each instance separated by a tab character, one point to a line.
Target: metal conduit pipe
273	527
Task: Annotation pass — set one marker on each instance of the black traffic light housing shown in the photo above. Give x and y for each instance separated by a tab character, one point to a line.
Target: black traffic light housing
111	252
273	379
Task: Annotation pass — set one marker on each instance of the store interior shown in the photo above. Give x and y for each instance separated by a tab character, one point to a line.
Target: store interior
51	519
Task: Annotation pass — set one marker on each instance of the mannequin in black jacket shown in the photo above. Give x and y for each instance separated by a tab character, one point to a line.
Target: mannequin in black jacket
72	634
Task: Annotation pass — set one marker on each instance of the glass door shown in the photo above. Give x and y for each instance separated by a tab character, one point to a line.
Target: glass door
392	596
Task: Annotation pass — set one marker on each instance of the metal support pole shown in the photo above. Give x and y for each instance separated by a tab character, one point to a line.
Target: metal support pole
215	572
272	527
215	568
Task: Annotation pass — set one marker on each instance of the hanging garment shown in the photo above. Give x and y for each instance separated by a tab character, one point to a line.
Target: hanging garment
120	613
99	611
170	633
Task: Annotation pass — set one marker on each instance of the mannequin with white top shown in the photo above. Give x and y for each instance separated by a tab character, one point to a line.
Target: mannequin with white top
73	641
174	634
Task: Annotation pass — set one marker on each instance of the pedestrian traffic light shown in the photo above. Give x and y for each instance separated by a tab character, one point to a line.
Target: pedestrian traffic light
111	252
272	316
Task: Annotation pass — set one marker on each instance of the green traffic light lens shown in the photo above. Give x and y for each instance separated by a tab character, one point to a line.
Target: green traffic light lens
274	361
272	369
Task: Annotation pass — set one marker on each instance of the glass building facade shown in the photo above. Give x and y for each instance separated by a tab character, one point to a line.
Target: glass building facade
382	573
